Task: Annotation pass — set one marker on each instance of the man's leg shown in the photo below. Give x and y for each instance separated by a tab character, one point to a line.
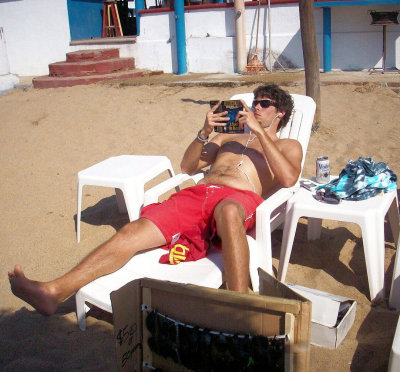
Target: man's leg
229	217
105	259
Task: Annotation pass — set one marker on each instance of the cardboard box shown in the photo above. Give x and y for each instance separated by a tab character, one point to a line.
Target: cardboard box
332	316
281	312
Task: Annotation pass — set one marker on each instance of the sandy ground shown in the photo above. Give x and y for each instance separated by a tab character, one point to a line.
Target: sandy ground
47	136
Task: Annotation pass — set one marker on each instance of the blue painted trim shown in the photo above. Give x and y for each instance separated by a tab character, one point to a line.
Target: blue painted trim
320	4
180	36
327	40
139	5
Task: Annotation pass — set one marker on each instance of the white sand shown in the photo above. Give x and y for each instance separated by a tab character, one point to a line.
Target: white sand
47	136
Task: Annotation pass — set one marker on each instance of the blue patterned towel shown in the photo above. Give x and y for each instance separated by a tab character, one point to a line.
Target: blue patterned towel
361	180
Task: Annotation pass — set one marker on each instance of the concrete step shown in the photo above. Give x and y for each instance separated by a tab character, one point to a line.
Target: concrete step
91	67
92	55
70	81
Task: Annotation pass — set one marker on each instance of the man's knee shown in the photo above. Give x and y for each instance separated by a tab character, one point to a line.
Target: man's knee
229	212
141	234
131	228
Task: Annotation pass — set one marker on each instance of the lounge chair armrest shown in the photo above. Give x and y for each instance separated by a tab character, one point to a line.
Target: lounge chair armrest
267	221
276	199
152	194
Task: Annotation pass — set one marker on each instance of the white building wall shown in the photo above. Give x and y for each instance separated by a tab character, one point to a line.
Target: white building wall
155	48
397	48
7	80
210	39
37	33
4	64
356	44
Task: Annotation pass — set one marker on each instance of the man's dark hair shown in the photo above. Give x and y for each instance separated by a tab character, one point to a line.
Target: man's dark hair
283	100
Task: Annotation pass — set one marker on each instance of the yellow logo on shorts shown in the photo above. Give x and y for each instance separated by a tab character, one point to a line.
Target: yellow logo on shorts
178	254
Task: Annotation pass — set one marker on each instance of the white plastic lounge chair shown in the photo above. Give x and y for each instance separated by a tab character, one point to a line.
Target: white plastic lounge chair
207	271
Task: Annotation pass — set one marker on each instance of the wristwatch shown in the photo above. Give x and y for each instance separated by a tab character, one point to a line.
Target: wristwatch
203	140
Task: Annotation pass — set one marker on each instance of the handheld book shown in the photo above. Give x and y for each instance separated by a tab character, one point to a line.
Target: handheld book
233	107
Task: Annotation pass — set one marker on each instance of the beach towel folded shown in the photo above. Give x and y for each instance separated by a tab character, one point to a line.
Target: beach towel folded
361	180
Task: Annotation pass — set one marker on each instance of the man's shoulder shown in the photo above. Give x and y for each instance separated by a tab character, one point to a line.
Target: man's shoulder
289	143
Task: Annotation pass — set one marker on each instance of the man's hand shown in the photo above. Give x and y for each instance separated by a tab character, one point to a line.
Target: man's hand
247	117
214	120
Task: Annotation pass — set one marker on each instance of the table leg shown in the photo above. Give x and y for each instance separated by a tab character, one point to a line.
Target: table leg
120	201
394	220
372	229
394	298
79	211
314	226
134	199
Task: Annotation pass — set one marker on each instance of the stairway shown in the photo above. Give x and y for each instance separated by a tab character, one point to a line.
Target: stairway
85	67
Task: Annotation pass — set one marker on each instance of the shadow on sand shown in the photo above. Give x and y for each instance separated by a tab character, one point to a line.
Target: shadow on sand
32	342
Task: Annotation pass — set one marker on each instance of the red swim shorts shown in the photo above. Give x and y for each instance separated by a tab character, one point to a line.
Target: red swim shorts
187	222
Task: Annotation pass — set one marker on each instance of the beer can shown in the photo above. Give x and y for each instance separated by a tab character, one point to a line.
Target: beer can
322	169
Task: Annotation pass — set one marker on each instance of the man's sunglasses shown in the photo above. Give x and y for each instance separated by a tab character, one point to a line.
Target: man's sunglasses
265	103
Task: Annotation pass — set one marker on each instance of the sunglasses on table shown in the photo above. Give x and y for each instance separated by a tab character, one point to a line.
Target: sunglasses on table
264	103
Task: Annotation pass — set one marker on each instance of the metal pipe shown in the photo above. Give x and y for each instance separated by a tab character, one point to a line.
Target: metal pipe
327	40
180	35
139	5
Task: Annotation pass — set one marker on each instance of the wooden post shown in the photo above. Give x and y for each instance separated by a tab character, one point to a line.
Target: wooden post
310	55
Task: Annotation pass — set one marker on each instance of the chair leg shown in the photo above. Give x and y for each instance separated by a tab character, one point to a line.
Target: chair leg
260	256
78	214
289	231
120	201
80	310
374	251
253	267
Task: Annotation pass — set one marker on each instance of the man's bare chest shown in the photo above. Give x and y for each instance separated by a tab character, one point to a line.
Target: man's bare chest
244	150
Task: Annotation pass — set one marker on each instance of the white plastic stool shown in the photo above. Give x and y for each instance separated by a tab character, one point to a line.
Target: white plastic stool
369	214
128	173
394	359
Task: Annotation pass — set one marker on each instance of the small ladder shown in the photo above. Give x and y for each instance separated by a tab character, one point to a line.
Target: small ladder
111	22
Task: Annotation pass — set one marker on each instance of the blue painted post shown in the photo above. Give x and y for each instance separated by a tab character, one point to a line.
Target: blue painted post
139	5
221	1
327	40
180	35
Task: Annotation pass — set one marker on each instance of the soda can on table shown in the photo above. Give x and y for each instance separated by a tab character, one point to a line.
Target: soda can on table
322	169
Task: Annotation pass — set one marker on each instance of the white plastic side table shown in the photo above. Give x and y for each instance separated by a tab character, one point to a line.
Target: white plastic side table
128	173
369	214
394	358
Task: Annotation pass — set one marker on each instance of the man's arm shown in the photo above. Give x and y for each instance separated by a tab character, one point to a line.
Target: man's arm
284	156
199	153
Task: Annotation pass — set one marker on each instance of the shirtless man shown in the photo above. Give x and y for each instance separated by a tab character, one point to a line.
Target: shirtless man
245	166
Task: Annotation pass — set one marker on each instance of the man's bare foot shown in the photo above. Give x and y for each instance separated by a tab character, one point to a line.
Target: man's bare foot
34	293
